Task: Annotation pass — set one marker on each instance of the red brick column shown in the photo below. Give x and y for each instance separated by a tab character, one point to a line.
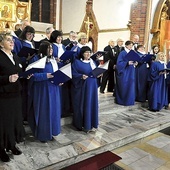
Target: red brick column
138	18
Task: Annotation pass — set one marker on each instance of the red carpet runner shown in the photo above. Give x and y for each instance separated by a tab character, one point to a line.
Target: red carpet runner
100	161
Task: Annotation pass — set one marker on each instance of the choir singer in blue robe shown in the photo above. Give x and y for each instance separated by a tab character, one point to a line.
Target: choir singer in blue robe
125	77
142	71
85	92
158	90
44	98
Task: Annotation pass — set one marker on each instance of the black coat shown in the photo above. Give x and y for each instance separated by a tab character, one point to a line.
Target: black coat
7	68
117	50
11	125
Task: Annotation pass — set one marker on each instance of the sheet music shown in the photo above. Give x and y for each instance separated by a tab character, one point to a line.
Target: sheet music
37	64
66	70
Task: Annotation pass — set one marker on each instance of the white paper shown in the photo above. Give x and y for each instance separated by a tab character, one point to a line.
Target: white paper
66	70
37	64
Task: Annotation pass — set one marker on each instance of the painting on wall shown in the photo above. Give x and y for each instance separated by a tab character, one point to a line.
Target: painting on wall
7	11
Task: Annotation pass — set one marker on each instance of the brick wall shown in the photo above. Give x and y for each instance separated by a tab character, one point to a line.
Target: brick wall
138	18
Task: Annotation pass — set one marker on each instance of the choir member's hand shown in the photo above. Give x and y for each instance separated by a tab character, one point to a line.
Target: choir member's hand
114	67
100	75
13	78
58	60
84	76
98	56
135	63
130	62
163	72
49	75
30	76
61	84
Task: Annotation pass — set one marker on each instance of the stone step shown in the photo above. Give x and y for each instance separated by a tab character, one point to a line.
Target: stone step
115	130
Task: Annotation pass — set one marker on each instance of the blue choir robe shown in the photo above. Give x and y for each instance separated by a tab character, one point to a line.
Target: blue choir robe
44	108
17	45
158	91
142	71
85	96
56	50
76	49
168	82
66	87
125	81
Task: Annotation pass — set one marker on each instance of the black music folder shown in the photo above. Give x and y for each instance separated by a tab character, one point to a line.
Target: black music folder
101	53
37	44
62	75
165	70
99	70
69	46
33	67
67	55
147	58
132	56
27	52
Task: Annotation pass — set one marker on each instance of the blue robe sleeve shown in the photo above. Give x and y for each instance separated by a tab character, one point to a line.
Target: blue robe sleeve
77	77
154	72
121	62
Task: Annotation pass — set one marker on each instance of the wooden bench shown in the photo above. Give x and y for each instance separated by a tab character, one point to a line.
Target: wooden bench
96	162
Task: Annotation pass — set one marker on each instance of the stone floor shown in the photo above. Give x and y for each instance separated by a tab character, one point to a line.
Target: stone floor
118	126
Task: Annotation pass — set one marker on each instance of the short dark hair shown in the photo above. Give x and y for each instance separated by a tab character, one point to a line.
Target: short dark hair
54	35
128	42
83	50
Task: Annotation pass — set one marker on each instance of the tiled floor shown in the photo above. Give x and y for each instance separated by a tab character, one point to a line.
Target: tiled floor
150	153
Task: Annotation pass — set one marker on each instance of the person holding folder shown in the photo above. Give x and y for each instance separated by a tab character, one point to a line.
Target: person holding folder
44	101
158	89
11	127
58	50
142	70
125	76
85	92
26	38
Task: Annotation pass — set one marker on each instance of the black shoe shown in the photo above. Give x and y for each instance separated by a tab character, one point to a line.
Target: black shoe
102	92
15	151
152	110
3	156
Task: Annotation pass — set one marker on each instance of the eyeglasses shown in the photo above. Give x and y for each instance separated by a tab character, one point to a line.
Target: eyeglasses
10	40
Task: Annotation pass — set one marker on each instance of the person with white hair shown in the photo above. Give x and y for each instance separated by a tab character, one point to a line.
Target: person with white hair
135	41
72	38
48	32
108	75
24	23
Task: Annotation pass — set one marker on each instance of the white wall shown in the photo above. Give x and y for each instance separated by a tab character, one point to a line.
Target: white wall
112	13
73	12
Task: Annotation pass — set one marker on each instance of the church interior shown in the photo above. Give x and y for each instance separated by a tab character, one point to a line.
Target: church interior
133	133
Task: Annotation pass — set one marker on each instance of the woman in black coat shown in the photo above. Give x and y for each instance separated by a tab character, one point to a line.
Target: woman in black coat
11	127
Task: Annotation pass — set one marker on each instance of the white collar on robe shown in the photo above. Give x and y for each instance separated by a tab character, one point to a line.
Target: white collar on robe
54	64
29	42
92	64
60	49
127	50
